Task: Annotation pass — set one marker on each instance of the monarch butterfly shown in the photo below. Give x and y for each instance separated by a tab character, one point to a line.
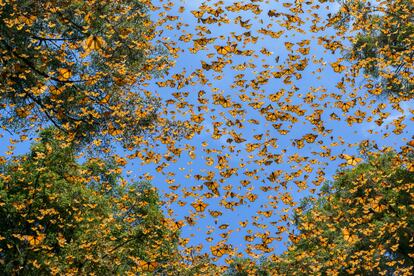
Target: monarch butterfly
237	137
39	89
197	118
267	240
303	42
271	13
26	20
229	204
115	132
212	186
283	131
64	74
245	52
304	51
256	105
377	207
106	99
244	182
198	14
351	160
215	213
292	18
293	57
245	24
55	90
218	66
274	175
333	116
217	12
294	238
267	213
310	138
199	206
147	266
337	67
190	220
205	65
218	251
287	198
233	48
202	41
34	240
251	147
224	226
298	143
223	50
252	197
301	65
194	50
301	184
208	20
249	238
219	99
93	43
25	111
306	225
348	237
173	50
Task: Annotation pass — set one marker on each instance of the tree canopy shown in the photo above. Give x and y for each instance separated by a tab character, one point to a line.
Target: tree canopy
78	65
58	216
361	224
383	45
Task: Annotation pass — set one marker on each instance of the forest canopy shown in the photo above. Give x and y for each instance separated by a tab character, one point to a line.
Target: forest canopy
62	217
208	137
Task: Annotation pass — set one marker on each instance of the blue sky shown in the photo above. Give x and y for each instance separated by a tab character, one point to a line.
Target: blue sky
318	84
327	80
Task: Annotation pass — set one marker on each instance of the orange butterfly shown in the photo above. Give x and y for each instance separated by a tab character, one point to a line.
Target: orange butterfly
223	50
199	206
93	43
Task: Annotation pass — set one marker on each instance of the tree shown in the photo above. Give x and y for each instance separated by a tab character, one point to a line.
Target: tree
361	224
61	217
382	43
78	65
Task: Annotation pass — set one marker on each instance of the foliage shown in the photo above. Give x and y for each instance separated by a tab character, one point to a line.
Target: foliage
78	65
61	217
361	224
383	43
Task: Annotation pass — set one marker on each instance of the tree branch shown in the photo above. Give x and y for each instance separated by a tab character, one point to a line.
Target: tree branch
33	67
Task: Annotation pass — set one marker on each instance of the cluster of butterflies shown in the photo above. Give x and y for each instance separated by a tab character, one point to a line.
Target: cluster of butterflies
262	119
264	48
